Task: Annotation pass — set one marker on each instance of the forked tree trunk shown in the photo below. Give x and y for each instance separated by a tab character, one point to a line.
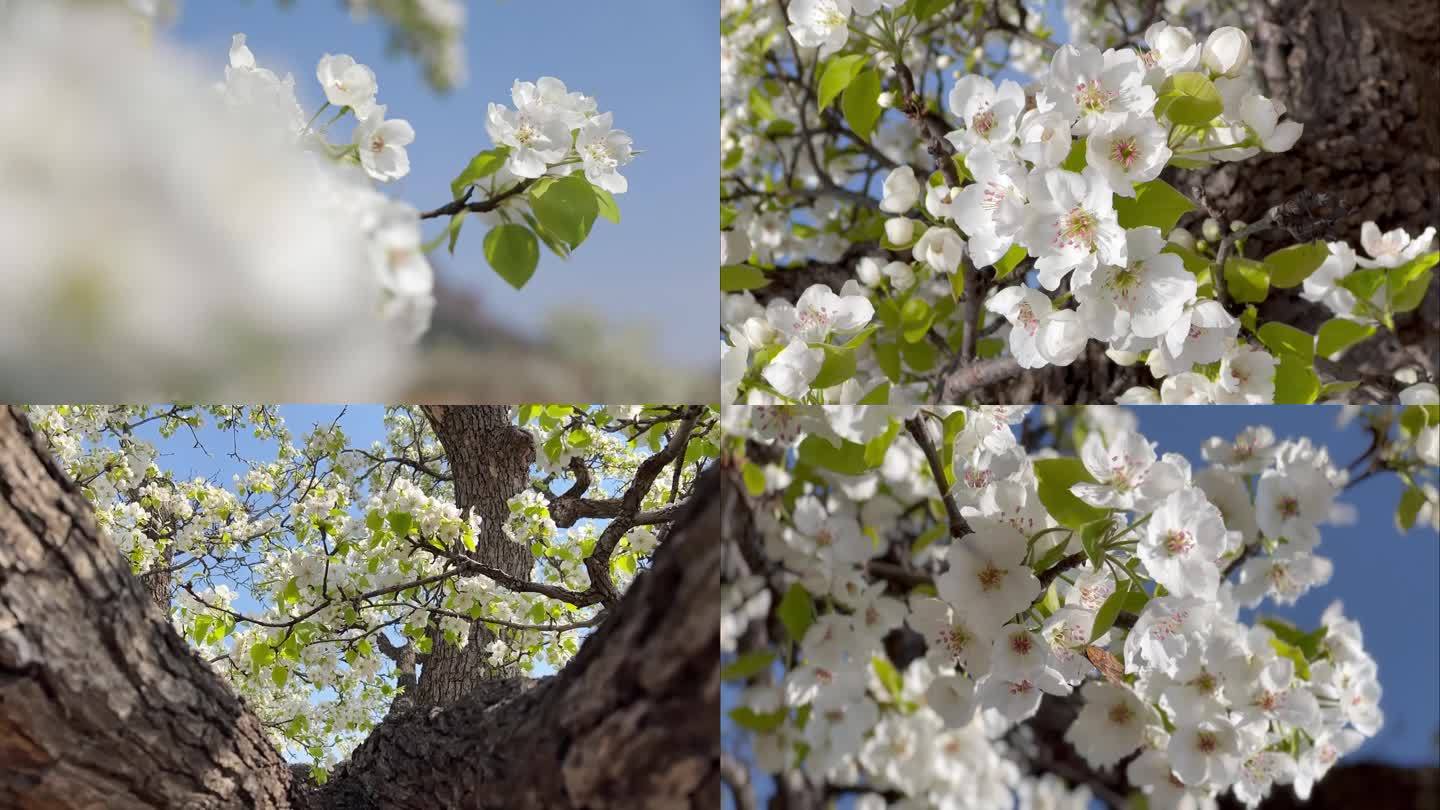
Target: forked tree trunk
490	460
102	704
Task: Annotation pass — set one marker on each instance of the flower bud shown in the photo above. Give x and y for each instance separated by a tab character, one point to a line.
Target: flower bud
1227	51
901	276
1211	230
899	230
886	99
1182	237
868	271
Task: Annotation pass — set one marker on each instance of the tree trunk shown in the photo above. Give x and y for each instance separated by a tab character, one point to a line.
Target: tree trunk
103	705
490	461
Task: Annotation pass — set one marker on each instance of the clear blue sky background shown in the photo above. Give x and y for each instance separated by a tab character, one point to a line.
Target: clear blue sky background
654	64
1386	581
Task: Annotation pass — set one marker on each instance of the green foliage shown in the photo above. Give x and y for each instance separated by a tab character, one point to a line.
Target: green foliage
565	207
838	73
1189	99
513	252
1056	476
861	103
1296	382
1338	334
1156	203
741	277
747	665
1246	280
1288	267
480	167
796	611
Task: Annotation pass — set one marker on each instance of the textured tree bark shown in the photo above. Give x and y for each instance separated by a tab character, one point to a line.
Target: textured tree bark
103	705
490	460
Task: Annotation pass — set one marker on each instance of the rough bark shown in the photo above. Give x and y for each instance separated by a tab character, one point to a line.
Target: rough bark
490	461
103	705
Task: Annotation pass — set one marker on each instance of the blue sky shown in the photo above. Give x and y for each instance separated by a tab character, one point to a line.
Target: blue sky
1387	581
654	64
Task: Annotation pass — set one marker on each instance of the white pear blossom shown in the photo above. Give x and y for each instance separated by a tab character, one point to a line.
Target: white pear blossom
941	248
382	143
1182	541
822	24
818	313
347	83
901	191
1126	149
1071	224
1087	85
603	150
989	114
1144	297
791	371
986	578
1039	335
1111	724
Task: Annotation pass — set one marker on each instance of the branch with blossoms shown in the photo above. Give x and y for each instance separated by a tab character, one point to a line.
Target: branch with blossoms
1086	626
876	258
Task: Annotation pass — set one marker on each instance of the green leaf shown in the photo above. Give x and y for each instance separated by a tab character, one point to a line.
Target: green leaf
608	208
1075	161
887	356
915	319
1283	339
1408	283
1246	280
754	478
1007	264
566	207
452	229
839	72
1410	502
1092	537
481	166
1338	334
1110	609
1190	99
861	103
847	459
1056	475
262	655
889	676
513	252
291	592
1292	265
1302	667
1156	204
838	367
879	395
375	520
931	534
751	720
400	523
280	675
760	105
744	666
1364	283
1296	383
796	611
741	277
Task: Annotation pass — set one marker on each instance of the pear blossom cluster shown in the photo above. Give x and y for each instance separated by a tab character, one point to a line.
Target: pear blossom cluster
1112	580
292	578
391	228
1386	251
156	233
1060	208
552	127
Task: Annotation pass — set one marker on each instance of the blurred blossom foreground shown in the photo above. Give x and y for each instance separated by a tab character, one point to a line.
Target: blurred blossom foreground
163	237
